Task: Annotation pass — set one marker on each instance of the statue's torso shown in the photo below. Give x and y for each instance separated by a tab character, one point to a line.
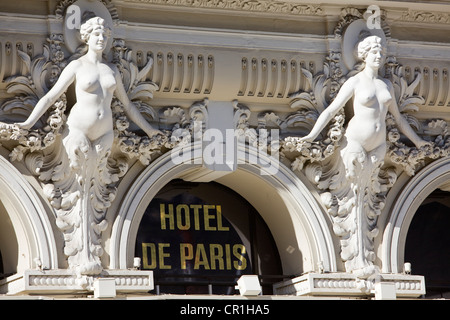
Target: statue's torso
370	106
92	114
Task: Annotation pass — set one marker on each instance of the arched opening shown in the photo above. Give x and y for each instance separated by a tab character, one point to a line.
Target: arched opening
428	242
25	230
292	214
432	177
201	237
9	247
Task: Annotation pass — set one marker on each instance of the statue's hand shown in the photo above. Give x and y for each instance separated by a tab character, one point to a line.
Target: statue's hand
153	132
307	138
424	145
23	125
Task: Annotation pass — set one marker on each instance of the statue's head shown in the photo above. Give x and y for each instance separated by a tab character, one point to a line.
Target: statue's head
97	28
371	49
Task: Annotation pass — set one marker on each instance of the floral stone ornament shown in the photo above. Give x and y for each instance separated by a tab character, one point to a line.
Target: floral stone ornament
347	164
72	155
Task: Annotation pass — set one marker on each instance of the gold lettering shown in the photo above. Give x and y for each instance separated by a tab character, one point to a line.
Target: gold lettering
200	257
164	216
196	208
186	254
207	216
228	256
163	255
187	219
216	256
145	263
219	219
183	217
240	256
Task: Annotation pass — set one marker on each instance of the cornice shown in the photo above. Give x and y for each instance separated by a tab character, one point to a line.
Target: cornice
261	6
421	16
404	11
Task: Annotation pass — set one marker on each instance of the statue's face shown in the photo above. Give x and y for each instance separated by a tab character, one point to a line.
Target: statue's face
98	39
375	57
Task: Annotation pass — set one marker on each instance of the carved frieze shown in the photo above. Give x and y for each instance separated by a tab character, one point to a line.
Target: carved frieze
286	7
425	16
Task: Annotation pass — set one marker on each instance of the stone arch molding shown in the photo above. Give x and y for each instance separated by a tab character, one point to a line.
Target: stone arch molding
434	176
30	221
310	239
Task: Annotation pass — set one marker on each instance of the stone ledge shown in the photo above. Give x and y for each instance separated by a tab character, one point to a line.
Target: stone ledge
65	281
345	284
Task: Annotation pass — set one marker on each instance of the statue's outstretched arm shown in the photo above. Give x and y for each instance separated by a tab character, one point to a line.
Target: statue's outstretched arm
403	125
65	79
130	109
344	94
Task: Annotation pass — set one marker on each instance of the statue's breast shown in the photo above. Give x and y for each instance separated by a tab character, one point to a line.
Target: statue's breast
366	97
88	82
96	82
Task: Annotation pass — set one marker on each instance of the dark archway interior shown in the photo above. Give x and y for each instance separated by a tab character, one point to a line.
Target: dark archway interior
193	247
428	244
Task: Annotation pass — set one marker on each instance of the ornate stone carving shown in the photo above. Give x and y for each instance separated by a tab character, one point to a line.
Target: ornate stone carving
53	154
347	166
406	286
62	6
351	14
183	73
64	281
74	159
311	104
245	5
244	133
353	187
28	90
411	159
425	16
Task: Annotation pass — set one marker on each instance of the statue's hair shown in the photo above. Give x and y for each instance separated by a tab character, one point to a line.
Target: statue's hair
92	24
367	44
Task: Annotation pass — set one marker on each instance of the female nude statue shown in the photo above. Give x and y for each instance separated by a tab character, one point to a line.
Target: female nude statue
373	98
90	119
82	190
362	152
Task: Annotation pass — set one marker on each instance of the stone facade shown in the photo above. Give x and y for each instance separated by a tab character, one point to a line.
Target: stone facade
95	123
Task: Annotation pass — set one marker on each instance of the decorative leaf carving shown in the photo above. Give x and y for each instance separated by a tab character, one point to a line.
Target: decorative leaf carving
354	200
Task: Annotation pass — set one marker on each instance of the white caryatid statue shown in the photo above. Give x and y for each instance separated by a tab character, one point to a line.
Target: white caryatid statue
81	183
362	152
